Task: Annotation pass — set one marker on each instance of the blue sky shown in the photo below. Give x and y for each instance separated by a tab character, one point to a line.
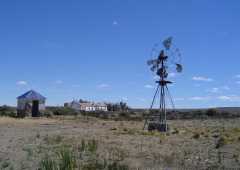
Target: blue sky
97	50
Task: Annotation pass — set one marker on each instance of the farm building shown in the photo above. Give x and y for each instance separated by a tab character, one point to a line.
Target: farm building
93	106
30	103
87	106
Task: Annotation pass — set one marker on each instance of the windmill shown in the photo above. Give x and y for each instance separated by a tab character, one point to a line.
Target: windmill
168	61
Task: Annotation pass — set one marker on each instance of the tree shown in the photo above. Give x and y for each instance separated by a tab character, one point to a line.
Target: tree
121	106
83	101
211	112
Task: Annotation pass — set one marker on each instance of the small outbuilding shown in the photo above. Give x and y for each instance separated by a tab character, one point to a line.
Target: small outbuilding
30	103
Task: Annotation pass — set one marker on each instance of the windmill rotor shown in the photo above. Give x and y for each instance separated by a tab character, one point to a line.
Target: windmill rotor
172	57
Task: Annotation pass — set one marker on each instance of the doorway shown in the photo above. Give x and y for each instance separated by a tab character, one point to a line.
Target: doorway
35	108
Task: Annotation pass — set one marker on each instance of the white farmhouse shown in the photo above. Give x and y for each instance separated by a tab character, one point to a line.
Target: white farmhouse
87	106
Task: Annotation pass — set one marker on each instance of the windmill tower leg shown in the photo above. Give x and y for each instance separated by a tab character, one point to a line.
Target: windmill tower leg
163	117
158	121
153	101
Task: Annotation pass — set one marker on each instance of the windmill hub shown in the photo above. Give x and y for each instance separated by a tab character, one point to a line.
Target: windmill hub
157	119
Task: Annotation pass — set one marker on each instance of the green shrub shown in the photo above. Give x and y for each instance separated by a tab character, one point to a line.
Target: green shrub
124	114
196	135
5	165
88	146
117	166
211	112
175	131
113	129
8	111
61	111
220	142
47	113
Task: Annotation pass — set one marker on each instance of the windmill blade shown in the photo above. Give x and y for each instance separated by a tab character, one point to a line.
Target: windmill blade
151	62
177	50
167	43
153	68
179	68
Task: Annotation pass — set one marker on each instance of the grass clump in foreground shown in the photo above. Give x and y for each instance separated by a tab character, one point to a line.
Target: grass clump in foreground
67	159
84	156
47	163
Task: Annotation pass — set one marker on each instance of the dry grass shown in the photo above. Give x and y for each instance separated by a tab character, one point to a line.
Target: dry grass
189	143
25	121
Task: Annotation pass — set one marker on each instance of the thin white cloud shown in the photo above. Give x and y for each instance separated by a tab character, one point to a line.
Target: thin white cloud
103	86
22	83
224	98
171	75
199	98
214	90
75	85
124	98
59	82
225	87
115	23
148	86
179	99
197	85
201	78
141	99
229	98
156	77
219	89
232	98
237	76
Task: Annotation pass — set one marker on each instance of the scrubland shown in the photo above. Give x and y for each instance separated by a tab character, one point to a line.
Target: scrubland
88	143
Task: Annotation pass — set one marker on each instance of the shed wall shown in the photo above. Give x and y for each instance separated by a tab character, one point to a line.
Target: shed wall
22	103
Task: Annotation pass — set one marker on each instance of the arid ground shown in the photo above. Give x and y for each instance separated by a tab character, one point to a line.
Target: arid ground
190	144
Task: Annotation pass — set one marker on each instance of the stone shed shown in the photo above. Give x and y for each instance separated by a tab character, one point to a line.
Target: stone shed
31	103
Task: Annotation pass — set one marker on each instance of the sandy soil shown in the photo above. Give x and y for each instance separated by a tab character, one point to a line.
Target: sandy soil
189	144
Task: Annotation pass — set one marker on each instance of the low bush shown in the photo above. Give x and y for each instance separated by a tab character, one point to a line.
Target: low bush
8	111
220	142
141	114
47	113
196	135
90	146
61	111
211	112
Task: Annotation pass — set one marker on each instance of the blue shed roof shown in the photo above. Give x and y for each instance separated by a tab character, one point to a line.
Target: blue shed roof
32	95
